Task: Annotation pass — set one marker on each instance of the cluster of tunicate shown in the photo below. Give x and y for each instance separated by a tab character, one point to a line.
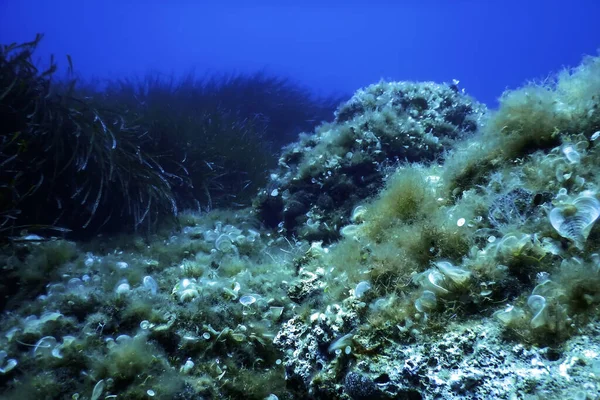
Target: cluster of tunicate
232	290
565	162
149	285
515	245
187	289
226	237
190	289
32	325
239	334
169	320
544	309
90	260
443	280
122	288
354	230
341	345
510	315
545	296
79	287
48	346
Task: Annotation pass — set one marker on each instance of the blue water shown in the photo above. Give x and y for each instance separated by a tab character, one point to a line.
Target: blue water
330	46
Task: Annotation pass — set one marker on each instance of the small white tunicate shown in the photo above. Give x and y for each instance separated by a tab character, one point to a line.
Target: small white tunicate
122	288
56	288
348	350
340	343
75	285
150	284
596	135
122	265
188	294
426	302
110	343
123	339
537	304
596	367
361	289
206	335
10	363
311	223
350	231
224	244
274	192
571	154
457	275
278	361
56	352
187	367
150	392
358	214
44	346
98	389
10	334
461	221
433	178
491	239
595	260
145	325
247	300
275	312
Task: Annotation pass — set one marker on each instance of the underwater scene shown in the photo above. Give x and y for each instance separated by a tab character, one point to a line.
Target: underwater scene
299	201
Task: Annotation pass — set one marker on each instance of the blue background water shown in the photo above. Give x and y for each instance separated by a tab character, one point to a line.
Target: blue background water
328	45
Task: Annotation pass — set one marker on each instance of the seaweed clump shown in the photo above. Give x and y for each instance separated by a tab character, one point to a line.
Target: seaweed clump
78	158
65	161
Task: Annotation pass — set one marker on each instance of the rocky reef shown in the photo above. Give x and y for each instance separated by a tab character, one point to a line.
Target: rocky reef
321	177
418	247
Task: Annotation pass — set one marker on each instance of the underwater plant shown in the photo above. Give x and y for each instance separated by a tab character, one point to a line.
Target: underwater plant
66	160
223	130
136	150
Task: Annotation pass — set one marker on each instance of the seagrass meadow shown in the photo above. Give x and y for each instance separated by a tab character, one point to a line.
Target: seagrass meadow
211	239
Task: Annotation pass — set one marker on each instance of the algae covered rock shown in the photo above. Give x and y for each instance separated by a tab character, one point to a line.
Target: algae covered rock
321	177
